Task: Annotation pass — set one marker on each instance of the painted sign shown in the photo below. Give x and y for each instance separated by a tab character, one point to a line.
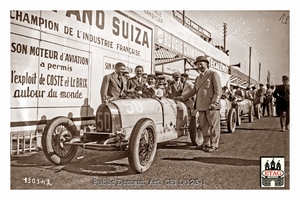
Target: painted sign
58	58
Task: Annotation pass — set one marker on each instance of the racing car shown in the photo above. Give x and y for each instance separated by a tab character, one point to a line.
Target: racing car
135	125
244	108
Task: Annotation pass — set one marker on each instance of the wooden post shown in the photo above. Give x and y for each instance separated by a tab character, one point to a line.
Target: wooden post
249	67
18	143
30	141
24	137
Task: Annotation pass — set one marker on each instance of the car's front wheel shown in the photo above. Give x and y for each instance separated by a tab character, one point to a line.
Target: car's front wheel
142	145
231	120
58	131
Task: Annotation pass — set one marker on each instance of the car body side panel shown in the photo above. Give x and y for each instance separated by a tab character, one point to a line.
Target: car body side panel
225	107
167	115
245	105
132	110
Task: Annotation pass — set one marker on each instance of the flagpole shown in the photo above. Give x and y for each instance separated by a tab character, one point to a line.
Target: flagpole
249	66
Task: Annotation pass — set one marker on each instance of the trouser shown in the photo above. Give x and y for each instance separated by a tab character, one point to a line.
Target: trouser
284	118
268	107
210	124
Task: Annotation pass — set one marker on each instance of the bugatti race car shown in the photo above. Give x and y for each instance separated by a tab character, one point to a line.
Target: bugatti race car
244	108
135	125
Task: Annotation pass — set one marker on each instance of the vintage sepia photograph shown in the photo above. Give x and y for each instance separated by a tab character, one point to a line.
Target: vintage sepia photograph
150	99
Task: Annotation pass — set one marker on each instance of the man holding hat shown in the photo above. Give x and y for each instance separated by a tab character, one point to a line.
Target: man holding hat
113	85
282	95
208	92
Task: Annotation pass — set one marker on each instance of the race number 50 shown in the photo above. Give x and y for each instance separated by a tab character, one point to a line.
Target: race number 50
133	107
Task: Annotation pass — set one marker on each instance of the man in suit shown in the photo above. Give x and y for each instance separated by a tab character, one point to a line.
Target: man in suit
282	95
137	80
208	92
187	86
113	85
260	94
176	86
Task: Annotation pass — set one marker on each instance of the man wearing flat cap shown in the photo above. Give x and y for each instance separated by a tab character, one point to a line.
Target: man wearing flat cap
176	87
208	92
282	96
113	85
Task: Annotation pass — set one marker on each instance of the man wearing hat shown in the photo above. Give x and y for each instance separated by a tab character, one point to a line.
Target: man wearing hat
113	85
282	95
253	92
248	94
259	96
208	92
268	101
176	87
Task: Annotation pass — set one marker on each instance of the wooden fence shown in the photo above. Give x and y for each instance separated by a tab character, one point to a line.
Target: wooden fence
25	142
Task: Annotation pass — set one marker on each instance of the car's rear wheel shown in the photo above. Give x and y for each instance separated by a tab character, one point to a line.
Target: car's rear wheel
196	134
251	113
142	145
56	132
231	120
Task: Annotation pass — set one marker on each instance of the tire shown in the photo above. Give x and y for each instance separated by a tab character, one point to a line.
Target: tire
257	111
251	114
56	131
231	120
196	134
142	145
238	115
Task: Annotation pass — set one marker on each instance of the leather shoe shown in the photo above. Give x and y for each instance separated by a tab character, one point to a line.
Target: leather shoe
210	149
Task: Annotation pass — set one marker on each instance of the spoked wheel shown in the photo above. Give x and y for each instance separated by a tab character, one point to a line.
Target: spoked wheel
251	113
231	120
142	145
196	134
58	131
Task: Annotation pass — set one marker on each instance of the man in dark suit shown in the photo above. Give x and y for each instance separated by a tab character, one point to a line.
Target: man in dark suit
137	80
208	92
113	85
176	86
282	95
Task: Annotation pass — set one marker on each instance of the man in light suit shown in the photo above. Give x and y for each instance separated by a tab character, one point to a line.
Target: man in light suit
187	86
208	92
137	80
113	85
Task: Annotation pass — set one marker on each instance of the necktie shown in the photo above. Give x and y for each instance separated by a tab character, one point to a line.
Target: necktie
121	82
201	76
